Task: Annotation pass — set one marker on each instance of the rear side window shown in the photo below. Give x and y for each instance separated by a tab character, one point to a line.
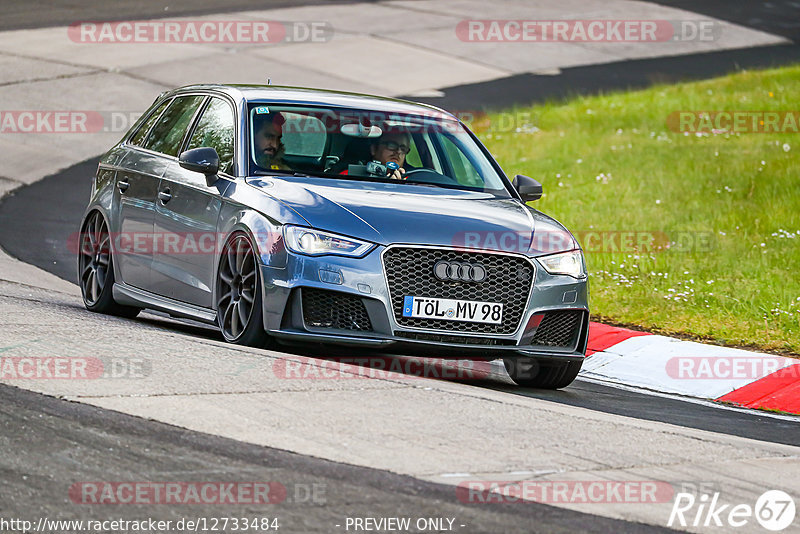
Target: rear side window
141	133
171	127
215	129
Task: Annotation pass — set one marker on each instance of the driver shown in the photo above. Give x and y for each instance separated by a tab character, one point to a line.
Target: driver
267	141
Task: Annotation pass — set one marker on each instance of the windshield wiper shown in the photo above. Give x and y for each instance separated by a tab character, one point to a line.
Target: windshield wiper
427	184
281	172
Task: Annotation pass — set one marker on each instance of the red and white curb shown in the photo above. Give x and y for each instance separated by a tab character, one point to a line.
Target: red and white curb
669	365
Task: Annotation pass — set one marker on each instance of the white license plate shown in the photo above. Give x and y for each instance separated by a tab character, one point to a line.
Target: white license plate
473	311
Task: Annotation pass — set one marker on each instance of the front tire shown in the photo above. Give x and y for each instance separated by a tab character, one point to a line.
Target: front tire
541	374
96	269
239	311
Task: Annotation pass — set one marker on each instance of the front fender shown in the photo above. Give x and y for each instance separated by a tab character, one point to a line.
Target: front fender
265	233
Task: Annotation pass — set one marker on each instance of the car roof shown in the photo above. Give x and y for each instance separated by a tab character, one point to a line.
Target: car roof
310	96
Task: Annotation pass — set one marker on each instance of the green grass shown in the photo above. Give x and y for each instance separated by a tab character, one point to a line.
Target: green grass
610	163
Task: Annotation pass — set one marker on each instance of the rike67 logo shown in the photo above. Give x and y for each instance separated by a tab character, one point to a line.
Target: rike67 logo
774	510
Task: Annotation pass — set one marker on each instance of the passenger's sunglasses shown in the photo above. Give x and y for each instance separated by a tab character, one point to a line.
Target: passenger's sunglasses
394	147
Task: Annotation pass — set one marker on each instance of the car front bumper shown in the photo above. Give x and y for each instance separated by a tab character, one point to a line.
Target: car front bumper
356	293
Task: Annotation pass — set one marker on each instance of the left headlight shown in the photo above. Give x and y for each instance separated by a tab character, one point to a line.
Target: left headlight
569	263
317	243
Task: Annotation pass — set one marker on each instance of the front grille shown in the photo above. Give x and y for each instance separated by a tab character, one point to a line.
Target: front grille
558	329
466	340
409	272
332	309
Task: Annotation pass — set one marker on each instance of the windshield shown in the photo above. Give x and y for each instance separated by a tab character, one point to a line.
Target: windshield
433	150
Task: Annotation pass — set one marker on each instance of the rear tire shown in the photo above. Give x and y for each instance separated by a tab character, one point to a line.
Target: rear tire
239	310
541	374
96	269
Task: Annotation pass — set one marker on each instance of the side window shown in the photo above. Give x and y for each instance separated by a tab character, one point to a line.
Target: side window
171	127
413	157
465	172
215	129
138	137
303	135
423	154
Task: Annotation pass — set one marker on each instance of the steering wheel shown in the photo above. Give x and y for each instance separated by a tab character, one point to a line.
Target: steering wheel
429	176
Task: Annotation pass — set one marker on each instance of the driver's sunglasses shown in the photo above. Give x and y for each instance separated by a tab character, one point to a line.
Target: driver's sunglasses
394	147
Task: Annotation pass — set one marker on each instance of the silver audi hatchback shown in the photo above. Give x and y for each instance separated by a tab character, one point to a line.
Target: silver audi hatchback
289	215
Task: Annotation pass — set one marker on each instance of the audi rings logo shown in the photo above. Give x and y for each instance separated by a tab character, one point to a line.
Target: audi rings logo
459	272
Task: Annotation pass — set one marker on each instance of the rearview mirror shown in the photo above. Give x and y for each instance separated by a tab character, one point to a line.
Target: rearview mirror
528	188
204	160
360	130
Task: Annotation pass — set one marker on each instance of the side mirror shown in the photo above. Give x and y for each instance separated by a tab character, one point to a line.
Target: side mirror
528	188
204	160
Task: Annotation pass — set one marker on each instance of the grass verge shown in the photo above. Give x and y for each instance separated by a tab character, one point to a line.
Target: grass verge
721	209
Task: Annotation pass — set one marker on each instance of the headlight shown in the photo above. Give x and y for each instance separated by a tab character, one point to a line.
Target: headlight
569	263
316	243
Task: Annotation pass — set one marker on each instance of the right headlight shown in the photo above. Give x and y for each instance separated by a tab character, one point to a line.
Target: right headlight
569	263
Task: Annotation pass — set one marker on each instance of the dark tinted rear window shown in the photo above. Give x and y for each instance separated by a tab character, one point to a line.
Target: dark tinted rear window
141	133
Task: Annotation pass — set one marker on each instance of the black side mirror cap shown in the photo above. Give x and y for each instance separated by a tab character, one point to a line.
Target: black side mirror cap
204	160
528	188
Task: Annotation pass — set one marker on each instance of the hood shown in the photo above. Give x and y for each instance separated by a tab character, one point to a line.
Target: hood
386	213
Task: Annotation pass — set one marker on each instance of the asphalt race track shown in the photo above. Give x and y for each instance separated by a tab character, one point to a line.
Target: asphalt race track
40	432
360	448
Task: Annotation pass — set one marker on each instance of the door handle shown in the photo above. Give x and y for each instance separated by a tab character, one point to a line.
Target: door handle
164	196
123	186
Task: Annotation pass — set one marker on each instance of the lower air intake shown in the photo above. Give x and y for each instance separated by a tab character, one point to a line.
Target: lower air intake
332	309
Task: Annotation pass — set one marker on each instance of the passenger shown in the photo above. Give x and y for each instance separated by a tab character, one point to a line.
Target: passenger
269	149
391	146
